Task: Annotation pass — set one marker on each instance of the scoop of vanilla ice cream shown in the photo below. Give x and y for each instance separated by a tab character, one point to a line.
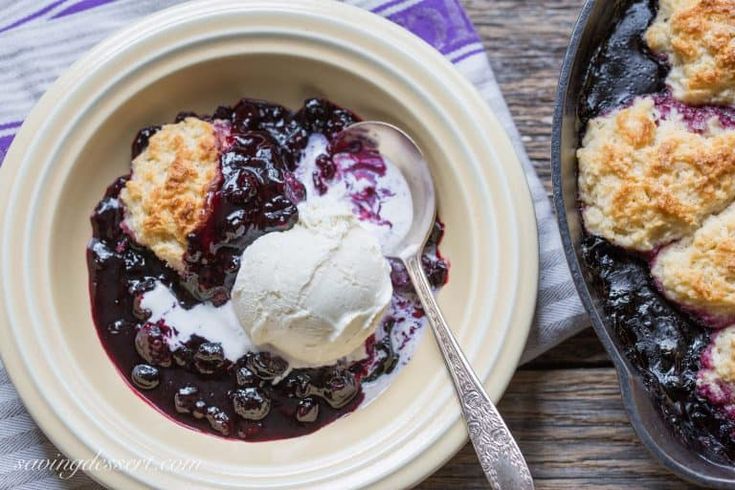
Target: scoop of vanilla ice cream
316	291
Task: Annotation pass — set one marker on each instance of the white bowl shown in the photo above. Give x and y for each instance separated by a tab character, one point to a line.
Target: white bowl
194	57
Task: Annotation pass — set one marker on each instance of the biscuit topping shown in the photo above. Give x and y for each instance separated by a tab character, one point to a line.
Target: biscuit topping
645	181
698	36
699	271
166	197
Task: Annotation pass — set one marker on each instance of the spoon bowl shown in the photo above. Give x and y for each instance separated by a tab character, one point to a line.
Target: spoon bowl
396	146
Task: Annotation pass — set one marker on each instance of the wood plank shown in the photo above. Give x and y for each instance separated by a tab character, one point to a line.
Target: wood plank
583	350
573	430
526	41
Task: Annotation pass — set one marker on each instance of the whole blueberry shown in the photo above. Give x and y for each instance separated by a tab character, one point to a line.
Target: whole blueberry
245	377
118	326
399	277
251	403
140	142
218	420
183	356
279	211
150	342
185	398
266	365
436	271
299	384
222	112
437	232
209	357
340	389
199	410
145	376
242	188
307	411
236	224
326	166
140	286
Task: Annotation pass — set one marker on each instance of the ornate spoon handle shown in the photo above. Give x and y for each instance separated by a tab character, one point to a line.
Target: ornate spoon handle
500	458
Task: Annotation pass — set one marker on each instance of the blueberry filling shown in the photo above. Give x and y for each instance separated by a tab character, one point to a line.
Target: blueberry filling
257	396
664	343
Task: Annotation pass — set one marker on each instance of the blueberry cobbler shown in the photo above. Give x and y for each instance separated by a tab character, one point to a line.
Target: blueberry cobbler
657	197
236	273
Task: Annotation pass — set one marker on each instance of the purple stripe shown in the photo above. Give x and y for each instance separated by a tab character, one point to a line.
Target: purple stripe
386	6
468	54
81	7
32	16
442	23
14	124
4	145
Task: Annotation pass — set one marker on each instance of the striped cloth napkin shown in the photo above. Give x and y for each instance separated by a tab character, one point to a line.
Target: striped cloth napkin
40	38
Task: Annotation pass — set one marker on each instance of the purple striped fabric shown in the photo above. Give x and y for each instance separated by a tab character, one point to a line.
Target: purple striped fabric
38	13
11	125
386	6
466	55
5	142
441	23
81	7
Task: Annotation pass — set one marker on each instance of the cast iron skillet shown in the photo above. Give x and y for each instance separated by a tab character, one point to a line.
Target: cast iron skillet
593	27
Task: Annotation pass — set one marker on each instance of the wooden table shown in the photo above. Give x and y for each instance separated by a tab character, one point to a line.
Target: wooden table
564	408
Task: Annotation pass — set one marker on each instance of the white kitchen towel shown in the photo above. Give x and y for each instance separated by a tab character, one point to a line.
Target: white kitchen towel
40	38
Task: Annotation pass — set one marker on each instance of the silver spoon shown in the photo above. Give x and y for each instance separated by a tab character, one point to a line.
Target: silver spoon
499	455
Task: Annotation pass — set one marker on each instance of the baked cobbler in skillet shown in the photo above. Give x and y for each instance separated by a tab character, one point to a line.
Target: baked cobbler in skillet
656	179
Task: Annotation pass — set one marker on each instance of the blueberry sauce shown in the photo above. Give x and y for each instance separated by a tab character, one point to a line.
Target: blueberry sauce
251	201
255	397
697	119
623	67
365	166
663	342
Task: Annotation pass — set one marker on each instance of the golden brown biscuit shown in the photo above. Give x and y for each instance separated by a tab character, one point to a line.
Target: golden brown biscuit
699	271
719	364
698	36
645	182
166	197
